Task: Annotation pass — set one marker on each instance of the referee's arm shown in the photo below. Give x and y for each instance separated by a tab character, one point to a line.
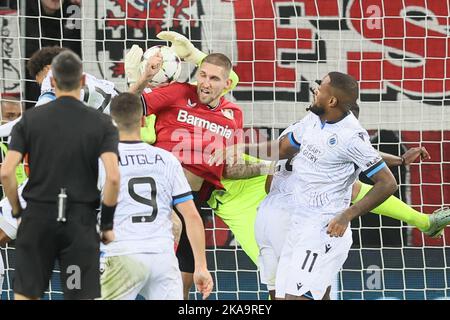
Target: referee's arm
9	181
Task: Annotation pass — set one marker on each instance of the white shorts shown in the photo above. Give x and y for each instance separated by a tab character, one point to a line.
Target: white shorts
9	226
310	260
155	276
271	227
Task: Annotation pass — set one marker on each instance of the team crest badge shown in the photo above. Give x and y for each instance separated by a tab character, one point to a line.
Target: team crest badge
191	104
332	141
228	113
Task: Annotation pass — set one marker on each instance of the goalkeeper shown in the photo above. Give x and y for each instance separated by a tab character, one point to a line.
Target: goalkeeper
245	185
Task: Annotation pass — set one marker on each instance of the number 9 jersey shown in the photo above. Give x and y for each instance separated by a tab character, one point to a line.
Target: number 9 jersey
152	182
96	93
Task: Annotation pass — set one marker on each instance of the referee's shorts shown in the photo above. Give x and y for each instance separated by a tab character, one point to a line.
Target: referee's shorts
74	244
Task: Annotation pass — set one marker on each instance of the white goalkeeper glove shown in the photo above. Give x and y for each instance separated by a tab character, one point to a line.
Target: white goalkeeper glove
132	63
183	48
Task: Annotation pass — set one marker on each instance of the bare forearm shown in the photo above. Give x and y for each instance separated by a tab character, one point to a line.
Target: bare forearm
138	87
10	188
391	160
110	192
248	170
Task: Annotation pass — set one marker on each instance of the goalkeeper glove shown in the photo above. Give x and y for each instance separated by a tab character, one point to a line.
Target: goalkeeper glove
148	132
132	63
182	47
186	51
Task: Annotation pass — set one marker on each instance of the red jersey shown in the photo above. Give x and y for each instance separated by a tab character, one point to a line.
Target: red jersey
192	130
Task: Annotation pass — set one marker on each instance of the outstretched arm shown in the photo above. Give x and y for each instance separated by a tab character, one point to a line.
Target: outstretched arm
273	150
407	158
251	168
196	234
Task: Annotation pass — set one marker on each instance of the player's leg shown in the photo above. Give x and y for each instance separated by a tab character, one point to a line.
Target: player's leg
36	251
184	252
8	227
185	258
123	277
241	223
271	227
2	274
327	294
188	281
267	260
314	260
3	240
164	282
238	207
393	207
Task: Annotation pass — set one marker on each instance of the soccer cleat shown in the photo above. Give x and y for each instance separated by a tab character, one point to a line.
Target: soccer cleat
439	219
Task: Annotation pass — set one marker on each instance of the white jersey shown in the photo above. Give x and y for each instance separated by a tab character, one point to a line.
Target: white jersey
152	182
330	157
283	168
96	93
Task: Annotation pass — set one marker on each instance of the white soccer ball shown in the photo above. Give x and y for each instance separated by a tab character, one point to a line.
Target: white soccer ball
170	69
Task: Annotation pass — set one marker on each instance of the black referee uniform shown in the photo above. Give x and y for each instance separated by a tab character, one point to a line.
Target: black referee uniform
64	140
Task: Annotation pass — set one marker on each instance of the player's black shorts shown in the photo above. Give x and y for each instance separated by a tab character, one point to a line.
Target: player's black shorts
41	240
184	250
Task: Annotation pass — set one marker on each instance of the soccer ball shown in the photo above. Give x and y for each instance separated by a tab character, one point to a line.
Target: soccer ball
170	69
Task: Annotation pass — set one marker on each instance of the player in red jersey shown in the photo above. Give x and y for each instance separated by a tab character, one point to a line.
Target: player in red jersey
192	121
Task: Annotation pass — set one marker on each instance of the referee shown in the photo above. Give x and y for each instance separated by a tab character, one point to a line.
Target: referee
64	140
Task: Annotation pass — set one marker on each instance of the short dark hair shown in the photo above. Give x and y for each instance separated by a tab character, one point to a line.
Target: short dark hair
67	70
354	108
126	110
42	58
347	85
219	59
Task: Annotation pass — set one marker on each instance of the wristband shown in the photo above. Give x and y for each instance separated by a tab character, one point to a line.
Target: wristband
107	217
403	161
